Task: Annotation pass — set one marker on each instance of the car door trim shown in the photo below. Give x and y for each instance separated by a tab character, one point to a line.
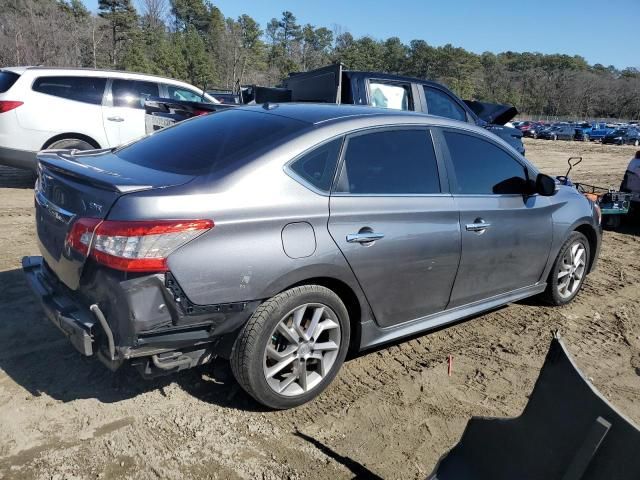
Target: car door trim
372	335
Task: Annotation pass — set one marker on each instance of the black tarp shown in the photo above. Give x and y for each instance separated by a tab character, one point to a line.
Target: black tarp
567	431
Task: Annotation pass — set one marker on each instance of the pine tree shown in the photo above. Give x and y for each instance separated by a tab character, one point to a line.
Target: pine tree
122	20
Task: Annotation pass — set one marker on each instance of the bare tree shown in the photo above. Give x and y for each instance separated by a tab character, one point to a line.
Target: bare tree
154	12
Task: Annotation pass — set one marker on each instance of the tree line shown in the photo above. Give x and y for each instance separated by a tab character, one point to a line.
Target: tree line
192	40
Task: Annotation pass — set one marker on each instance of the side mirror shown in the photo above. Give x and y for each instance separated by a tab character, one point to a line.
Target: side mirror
545	185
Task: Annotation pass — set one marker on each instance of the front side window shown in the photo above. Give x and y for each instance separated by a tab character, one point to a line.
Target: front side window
442	105
390	95
390	162
132	93
80	89
179	93
483	168
318	166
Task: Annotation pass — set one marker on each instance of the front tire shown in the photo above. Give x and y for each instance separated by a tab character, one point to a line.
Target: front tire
569	270
292	346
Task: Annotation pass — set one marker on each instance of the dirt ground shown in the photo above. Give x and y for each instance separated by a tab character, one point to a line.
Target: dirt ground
392	412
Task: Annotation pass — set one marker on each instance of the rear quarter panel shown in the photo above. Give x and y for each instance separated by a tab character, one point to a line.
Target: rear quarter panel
242	258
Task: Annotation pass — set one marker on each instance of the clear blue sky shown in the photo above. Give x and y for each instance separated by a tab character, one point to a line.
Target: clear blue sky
602	31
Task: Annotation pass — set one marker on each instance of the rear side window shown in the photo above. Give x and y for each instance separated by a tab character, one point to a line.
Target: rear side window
483	168
179	93
318	166
389	163
132	93
442	105
7	79
390	95
80	89
210	143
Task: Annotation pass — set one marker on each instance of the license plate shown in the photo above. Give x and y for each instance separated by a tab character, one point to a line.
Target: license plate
153	123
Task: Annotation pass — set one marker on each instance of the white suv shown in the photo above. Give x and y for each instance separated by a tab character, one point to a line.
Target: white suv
76	108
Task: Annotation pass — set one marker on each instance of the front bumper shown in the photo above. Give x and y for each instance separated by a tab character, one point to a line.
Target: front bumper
18	158
74	320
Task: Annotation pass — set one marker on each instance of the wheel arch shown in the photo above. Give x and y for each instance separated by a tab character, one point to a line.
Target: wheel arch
588	231
68	136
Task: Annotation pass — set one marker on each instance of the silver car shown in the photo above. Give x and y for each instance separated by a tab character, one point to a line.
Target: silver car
283	236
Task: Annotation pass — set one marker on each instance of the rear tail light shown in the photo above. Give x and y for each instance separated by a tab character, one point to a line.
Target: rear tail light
6	105
136	246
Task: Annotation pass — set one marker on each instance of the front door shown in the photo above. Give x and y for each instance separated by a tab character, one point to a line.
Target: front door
506	236
395	225
124	114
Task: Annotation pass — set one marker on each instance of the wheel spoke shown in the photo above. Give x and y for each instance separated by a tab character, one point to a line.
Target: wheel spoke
578	257
297	320
276	355
317	315
327	324
302	374
287	381
289	334
271	371
325	346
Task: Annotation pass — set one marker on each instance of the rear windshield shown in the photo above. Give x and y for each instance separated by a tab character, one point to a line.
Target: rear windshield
211	143
7	79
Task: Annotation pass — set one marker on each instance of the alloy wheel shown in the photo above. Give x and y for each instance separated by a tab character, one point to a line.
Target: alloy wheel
302	349
572	270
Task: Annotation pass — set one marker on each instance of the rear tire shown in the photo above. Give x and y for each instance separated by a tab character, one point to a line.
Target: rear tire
569	271
71	144
292	346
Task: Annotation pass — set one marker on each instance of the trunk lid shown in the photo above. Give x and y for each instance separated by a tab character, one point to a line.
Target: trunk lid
492	112
72	185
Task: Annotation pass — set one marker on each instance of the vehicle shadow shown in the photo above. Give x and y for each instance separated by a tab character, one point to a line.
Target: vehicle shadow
15	178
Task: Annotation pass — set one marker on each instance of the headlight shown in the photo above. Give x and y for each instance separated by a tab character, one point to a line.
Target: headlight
598	211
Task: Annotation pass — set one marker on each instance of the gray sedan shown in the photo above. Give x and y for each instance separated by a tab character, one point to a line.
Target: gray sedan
282	236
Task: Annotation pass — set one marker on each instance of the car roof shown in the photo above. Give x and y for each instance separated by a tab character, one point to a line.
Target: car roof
319	113
89	72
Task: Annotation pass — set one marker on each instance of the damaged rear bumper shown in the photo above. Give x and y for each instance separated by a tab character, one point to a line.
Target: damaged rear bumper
144	320
76	322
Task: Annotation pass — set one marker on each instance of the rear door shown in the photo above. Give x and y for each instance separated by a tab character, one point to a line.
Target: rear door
395	222
123	113
506	236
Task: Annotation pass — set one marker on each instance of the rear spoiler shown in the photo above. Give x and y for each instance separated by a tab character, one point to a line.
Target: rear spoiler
492	112
84	166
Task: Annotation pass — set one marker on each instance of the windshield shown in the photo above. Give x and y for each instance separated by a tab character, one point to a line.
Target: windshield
210	143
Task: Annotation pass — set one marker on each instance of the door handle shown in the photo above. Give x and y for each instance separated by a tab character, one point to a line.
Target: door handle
115	119
364	237
478	226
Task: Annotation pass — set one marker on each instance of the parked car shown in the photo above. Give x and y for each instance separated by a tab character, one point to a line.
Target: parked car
631	181
334	84
76	108
561	132
281	236
623	136
534	130
599	131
